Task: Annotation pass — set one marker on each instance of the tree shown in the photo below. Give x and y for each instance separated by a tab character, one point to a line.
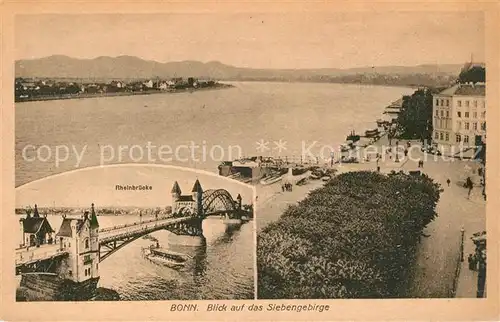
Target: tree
415	119
475	74
354	238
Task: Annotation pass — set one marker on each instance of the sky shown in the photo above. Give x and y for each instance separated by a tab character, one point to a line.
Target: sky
306	40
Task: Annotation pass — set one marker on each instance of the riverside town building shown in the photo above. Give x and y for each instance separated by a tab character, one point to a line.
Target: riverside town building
459	115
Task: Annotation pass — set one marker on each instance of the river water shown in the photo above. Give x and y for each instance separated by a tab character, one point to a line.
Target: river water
224	269
225	124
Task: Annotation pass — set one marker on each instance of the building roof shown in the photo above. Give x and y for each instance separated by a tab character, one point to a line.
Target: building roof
176	188
397	104
450	90
35	212
197	187
32	225
185	198
469	90
465	90
65	229
94	223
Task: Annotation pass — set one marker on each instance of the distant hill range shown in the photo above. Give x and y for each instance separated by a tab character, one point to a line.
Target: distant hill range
130	67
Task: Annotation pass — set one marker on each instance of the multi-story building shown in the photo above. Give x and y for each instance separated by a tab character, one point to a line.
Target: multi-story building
459	115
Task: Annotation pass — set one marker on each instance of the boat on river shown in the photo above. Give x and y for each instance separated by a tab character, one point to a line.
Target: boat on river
271	179
166	257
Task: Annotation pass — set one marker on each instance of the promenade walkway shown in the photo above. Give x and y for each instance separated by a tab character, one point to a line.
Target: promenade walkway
439	254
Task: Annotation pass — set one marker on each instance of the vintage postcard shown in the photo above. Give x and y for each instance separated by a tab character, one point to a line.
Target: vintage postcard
250	161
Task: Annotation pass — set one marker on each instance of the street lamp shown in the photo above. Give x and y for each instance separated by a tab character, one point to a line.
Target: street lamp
397	154
462	244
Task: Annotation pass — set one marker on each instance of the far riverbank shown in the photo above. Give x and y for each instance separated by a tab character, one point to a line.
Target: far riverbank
94	95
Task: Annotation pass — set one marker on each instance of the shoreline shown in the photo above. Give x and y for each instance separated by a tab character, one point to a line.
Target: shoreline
103	95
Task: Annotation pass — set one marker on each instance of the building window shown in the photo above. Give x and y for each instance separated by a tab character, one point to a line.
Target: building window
483	126
437	102
437	113
466	114
447	113
459	103
459	114
85	272
474	126
441	136
447	102
466	139
474	115
86	243
466	103
458	138
436	135
442	113
475	103
87	260
466	125
483	114
447	138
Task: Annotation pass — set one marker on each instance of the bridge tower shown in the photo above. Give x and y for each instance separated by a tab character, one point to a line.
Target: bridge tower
176	194
80	237
239	201
190	232
197	192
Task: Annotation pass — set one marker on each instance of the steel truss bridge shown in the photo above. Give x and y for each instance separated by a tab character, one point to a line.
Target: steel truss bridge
215	202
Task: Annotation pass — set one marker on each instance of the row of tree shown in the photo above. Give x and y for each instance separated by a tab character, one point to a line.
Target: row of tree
354	238
415	119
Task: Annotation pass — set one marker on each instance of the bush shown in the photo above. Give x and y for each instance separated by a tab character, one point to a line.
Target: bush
354	238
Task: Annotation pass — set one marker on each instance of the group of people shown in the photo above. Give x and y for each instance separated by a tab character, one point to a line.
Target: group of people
286	187
473	261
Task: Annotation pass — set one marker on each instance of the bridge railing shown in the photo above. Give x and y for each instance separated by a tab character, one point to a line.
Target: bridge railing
291	160
134	224
141	229
25	255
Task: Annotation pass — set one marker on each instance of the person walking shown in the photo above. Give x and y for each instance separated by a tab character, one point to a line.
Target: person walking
470	259
469	186
448	182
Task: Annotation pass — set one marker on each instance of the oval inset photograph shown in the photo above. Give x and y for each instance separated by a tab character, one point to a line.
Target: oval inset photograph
135	232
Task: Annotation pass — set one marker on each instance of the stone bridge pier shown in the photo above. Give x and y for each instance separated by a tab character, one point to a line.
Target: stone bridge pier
187	233
232	218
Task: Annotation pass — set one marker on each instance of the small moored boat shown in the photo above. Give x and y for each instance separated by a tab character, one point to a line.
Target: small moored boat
166	257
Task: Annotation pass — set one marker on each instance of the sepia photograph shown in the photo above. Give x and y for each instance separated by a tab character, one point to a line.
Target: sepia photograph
295	158
170	234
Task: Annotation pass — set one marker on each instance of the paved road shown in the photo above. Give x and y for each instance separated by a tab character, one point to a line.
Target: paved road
439	254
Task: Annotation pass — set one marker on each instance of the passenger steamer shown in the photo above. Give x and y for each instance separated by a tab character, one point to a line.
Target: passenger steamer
165	257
